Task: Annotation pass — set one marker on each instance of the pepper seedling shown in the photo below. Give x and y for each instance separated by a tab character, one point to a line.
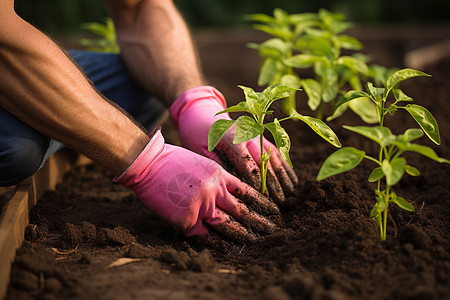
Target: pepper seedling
391	166
257	104
107	41
310	40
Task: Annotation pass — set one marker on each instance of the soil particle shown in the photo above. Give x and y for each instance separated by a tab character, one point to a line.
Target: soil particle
181	260
275	292
202	262
138	251
23	279
176	259
72	236
118	236
53	285
416	236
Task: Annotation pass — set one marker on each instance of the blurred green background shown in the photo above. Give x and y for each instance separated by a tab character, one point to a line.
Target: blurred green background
64	16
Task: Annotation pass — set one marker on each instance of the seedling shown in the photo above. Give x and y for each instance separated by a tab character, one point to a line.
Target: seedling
391	166
315	41
257	105
108	40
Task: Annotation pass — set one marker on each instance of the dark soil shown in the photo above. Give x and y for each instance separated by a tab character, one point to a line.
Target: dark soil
328	247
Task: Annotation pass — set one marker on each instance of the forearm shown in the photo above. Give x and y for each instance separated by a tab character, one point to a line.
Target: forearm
156	46
44	89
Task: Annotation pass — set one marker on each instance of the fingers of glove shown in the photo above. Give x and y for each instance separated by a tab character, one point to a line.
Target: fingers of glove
285	174
251	197
230	228
243	163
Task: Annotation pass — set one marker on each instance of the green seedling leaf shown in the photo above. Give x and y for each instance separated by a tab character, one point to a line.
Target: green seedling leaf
303	61
269	71
376	174
353	63
216	132
329	84
375	92
247	129
349	43
425	120
291	80
319	127
411	170
282	140
340	161
410	135
277	91
274	47
393	170
401	75
280	31
351	95
365	109
263	18
381	135
424	150
313	91
402	203
400	96
381	200
240	107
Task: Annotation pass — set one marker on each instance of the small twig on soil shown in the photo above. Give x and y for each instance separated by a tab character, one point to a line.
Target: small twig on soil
395	225
64	252
240	251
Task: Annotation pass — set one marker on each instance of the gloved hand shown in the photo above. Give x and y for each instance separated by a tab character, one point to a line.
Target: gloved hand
194	193
193	113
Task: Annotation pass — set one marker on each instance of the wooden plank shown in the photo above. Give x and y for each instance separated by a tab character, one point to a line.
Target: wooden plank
15	214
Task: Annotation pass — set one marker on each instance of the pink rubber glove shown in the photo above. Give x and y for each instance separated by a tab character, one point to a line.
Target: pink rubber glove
193	113
194	193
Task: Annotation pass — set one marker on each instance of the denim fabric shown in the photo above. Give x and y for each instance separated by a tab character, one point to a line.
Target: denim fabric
23	150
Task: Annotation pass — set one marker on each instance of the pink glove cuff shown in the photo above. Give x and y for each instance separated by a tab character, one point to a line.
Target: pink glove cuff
138	168
195	94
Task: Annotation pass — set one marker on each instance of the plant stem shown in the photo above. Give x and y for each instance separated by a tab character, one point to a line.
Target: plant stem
264	166
320	111
385	214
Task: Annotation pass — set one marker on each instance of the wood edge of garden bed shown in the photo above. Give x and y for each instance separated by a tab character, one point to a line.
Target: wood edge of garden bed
14	216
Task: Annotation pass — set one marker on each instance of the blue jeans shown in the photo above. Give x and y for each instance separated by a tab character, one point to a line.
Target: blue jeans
23	150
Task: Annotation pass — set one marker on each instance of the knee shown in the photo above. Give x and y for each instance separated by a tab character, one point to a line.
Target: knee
19	159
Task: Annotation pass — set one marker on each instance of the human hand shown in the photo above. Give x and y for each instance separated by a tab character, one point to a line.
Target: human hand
194	113
195	194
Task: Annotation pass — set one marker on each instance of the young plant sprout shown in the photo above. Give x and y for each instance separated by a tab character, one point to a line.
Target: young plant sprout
249	127
310	40
391	166
107	41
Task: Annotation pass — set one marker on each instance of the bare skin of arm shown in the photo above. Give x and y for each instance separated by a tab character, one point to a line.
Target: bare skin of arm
156	46
42	87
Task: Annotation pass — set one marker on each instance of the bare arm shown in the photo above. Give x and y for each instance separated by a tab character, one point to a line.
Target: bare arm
43	88
156	46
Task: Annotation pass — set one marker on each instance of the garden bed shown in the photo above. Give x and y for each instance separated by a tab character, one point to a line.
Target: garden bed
328	247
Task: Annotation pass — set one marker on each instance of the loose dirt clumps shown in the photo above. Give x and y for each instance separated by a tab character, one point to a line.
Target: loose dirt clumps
326	248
